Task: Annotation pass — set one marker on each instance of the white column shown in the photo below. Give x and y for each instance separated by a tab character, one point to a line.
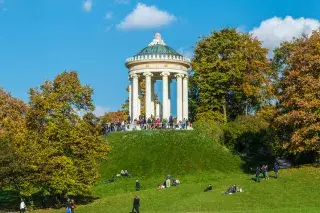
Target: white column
148	94
152	99
135	91
130	100
169	98
179	97
185	98
139	101
157	110
165	94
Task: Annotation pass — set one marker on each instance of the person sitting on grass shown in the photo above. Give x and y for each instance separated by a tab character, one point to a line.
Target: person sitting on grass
126	173
168	183
161	186
176	182
122	173
209	188
232	189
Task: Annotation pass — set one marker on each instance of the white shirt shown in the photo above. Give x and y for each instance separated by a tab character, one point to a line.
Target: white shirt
22	205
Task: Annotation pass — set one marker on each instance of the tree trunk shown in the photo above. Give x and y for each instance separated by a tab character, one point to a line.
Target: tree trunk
224	108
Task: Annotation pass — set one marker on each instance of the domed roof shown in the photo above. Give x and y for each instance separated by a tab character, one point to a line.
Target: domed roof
158	47
158	50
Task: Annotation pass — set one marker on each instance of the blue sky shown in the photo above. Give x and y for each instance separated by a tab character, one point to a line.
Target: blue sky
41	38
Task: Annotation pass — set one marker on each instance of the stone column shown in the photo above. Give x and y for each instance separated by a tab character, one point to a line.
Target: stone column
179	97
169	98
165	94
135	98
139	101
158	110
185	98
152	99
148	94
130	100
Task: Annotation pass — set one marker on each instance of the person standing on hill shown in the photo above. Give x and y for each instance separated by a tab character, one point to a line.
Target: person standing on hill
73	206
275	169
136	204
22	206
258	174
263	169
137	185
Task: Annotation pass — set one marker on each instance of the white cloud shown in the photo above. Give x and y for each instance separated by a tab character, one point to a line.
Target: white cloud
122	1
87	5
275	30
108	15
100	110
144	16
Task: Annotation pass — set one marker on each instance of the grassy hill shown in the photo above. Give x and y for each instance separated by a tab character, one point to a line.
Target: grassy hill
296	191
196	161
152	153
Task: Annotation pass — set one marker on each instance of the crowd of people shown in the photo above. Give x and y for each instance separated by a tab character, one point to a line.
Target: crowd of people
147	124
264	170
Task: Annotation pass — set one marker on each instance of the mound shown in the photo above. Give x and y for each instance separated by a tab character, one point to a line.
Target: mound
149	153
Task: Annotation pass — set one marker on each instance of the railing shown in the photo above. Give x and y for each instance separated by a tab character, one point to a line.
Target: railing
158	57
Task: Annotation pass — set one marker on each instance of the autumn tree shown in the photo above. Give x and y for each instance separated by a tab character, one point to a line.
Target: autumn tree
16	152
69	149
231	75
298	110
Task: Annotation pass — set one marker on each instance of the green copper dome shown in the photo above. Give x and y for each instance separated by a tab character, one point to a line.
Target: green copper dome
158	49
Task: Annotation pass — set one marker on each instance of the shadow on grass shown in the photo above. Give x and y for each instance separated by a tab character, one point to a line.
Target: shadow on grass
10	201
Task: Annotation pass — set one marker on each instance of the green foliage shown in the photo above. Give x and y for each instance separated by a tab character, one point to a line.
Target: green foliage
161	152
211	129
231	75
47	146
248	136
69	148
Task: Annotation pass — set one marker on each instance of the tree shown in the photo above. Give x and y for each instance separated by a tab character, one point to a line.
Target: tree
68	146
298	111
231	75
16	154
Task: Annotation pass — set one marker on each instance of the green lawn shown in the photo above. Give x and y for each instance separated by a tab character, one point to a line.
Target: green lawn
296	191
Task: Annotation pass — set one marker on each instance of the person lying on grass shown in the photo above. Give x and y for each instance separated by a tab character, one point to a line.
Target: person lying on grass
231	190
209	188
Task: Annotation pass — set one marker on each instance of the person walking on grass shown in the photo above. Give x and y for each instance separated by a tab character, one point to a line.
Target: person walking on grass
23	206
258	174
137	185
275	169
136	204
73	206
